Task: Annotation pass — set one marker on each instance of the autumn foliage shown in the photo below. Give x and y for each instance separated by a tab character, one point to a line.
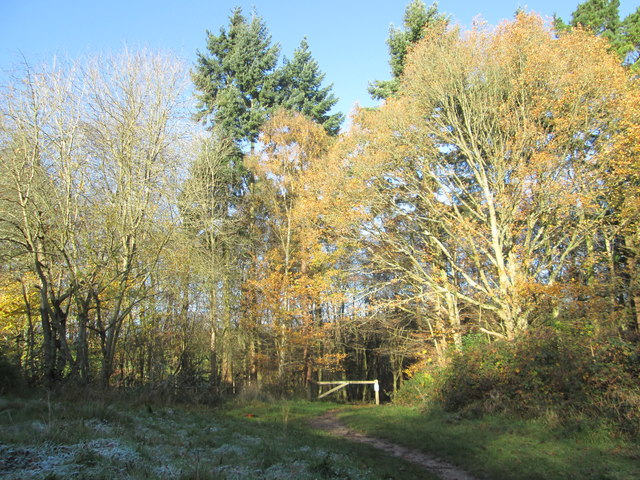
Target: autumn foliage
487	176
492	198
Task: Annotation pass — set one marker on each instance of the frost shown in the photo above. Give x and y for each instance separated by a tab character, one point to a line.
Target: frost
237	472
182	433
247	439
99	426
32	462
113	450
12	458
168	444
297	469
29	462
142	432
38	426
228	449
166	471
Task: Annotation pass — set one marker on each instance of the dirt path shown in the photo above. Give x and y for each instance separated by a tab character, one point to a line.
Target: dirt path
329	423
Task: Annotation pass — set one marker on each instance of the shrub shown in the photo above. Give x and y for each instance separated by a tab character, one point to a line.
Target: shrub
419	389
566	369
10	375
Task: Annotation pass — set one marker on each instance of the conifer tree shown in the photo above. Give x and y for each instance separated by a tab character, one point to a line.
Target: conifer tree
417	18
235	78
631	33
300	89
602	17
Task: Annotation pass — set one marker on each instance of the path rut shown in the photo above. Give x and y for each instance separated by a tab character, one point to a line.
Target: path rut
330	423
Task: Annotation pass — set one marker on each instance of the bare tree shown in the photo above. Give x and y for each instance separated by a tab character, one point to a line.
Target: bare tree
89	155
42	169
135	125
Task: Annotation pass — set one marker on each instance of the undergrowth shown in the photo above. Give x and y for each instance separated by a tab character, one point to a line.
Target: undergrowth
568	371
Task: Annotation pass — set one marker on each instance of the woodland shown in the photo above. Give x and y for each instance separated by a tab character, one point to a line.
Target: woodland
474	240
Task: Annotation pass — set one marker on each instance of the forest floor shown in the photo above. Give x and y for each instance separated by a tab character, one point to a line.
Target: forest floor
329	422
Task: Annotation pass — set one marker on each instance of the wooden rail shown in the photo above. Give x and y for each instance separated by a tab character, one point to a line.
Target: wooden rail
343	383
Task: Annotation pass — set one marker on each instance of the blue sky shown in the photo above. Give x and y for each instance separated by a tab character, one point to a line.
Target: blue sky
347	37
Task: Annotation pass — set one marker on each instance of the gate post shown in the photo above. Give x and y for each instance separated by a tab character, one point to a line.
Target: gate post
376	389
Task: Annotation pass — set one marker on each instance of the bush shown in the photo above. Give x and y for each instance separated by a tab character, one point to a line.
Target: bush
569	370
417	390
10	375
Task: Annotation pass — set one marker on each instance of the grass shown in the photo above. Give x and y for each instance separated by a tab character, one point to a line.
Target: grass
292	418
43	438
505	447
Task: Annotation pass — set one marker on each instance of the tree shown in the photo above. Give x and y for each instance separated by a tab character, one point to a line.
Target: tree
134	138
213	229
602	18
617	243
623	179
481	180
18	304
300	89
631	39
235	78
289	278
43	165
89	157
417	18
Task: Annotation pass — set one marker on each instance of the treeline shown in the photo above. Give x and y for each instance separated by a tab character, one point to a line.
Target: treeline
493	192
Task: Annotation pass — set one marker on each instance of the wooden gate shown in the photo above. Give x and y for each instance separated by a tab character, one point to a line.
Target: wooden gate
343	383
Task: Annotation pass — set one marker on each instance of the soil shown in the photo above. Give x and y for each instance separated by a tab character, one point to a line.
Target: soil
330	423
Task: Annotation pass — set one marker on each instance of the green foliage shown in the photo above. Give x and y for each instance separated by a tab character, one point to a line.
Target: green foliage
300	89
559	24
235	77
239	84
417	390
631	34
603	18
417	18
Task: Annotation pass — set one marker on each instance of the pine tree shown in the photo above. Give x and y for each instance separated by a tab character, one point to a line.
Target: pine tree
300	89
631	33
235	78
416	19
603	18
